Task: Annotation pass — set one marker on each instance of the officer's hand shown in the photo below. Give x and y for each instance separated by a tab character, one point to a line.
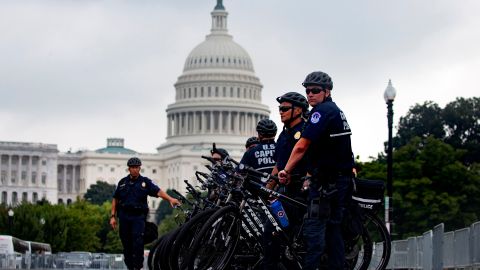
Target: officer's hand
174	202
271	184
284	177
306	184
113	222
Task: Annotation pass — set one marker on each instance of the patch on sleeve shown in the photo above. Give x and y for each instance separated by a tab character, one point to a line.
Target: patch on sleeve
315	117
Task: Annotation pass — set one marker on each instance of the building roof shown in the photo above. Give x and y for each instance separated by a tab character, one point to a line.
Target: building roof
116	150
115	146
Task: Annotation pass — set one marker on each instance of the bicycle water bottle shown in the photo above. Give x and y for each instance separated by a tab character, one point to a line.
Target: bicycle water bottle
280	213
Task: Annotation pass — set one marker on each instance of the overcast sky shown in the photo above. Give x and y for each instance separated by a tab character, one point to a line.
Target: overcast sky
73	73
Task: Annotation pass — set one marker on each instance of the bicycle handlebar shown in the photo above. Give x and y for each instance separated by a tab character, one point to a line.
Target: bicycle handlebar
251	170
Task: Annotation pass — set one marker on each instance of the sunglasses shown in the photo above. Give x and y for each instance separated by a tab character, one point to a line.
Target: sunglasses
284	108
314	90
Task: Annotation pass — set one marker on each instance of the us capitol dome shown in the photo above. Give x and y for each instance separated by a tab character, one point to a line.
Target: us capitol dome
218	99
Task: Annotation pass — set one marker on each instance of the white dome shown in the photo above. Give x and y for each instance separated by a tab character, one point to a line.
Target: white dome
219	51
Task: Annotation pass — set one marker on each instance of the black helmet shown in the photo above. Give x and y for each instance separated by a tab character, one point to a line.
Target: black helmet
318	78
266	127
295	98
251	141
222	152
134	161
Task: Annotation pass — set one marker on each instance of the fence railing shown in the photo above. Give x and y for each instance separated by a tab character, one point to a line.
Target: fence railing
56	261
436	249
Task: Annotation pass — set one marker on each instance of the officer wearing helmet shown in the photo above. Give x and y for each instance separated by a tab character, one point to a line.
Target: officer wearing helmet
251	142
130	203
218	154
293	108
326	141
261	157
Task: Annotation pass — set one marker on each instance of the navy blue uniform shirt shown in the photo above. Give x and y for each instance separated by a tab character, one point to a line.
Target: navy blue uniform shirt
285	143
132	195
261	156
328	130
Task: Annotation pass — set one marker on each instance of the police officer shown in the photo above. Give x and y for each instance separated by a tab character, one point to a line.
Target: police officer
130	203
251	142
261	157
326	140
293	109
218	154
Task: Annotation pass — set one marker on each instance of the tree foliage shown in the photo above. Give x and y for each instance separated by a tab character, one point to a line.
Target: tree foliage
458	124
436	176
99	193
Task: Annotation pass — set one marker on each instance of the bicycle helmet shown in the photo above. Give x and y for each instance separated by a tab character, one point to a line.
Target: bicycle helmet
222	152
267	128
318	78
251	141
134	161
295	98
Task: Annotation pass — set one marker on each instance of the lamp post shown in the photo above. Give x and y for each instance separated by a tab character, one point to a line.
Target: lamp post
10	220
389	96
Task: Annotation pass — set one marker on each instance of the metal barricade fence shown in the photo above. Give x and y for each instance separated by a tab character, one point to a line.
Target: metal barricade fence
427	248
475	244
461	246
56	261
437	246
437	250
448	255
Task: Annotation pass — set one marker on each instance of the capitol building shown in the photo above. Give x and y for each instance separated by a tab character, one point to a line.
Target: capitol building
218	99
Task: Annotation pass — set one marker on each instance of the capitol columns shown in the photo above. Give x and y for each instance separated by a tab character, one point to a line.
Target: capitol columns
229	122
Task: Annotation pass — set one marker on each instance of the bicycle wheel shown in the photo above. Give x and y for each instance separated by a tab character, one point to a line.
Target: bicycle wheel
215	243
185	239
375	244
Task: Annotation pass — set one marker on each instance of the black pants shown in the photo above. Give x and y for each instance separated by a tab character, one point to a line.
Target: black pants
132	228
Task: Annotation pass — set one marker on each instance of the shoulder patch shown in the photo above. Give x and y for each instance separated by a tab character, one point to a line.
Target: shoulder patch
297	135
315	117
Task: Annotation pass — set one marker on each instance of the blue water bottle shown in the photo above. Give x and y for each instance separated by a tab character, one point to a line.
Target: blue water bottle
280	213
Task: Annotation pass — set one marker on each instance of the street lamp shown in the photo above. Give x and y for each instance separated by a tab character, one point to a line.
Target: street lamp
389	96
10	220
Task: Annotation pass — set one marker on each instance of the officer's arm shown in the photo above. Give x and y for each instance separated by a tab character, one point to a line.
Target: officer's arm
113	221
297	154
173	202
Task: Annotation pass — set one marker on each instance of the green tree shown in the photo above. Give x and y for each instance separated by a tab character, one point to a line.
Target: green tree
83	222
99	193
421	121
462	121
431	186
113	243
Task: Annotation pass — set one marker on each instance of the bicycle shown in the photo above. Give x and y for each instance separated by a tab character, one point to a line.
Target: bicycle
217	240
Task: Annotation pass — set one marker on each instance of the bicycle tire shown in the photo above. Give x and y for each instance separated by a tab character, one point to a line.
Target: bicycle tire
151	253
161	259
216	242
185	237
377	244
154	251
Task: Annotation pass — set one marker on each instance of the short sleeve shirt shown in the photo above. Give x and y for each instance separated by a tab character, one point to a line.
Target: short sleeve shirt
134	193
285	143
329	132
